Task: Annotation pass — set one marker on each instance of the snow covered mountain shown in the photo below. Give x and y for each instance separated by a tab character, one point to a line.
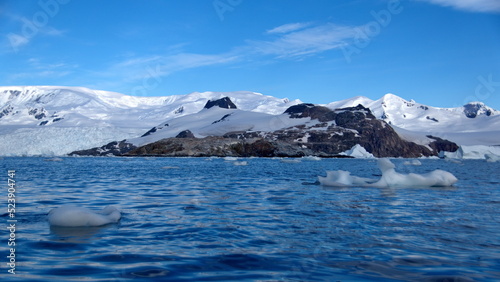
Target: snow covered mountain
472	124
51	120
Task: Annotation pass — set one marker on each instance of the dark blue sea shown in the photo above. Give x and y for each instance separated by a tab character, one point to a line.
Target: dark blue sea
207	219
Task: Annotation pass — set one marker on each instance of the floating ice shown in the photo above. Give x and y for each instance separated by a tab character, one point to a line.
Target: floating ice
358	151
73	216
473	152
170	167
230	159
242	163
290	161
54	160
413	162
390	178
491	158
311	158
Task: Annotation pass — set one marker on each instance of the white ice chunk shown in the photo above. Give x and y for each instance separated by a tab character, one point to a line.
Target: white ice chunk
474	152
412	162
491	158
230	159
390	178
357	151
343	178
290	161
73	216
311	158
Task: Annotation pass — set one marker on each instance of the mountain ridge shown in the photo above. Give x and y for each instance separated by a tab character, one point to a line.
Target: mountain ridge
32	117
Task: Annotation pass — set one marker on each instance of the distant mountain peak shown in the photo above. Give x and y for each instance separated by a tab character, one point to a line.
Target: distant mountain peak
474	109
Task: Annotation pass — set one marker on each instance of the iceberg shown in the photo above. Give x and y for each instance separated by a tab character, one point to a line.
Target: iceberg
358	151
491	158
474	152
413	162
73	216
389	178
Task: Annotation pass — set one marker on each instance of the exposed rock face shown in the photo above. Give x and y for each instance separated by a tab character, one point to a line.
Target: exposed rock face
185	134
472	110
442	145
344	128
224	103
310	110
219	147
114	148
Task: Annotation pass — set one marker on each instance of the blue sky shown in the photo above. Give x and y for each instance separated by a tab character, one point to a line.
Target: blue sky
438	52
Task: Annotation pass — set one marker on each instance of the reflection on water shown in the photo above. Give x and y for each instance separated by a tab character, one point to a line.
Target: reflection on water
78	235
193	220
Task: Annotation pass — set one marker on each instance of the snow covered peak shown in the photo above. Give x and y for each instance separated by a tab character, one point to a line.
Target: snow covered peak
474	109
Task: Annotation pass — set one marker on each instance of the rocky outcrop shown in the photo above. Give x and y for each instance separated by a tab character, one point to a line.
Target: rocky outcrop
473	109
310	110
111	149
442	145
340	130
224	103
185	134
221	147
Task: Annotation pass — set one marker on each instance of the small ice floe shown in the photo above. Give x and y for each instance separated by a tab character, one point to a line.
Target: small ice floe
491	158
242	163
311	158
230	159
54	160
455	161
359	152
389	178
412	162
290	161
73	216
170	167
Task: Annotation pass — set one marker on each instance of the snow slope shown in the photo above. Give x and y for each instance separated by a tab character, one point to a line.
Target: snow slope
53	120
218	121
471	124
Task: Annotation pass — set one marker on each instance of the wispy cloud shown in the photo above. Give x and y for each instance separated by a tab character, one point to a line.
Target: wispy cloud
137	68
39	69
138	75
296	41
286	28
23	31
492	6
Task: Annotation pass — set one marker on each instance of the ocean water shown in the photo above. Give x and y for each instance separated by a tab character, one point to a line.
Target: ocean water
198	219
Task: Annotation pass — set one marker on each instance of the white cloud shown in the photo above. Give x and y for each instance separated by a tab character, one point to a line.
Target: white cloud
140	67
50	31
306	41
23	31
286	28
470	5
39	69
